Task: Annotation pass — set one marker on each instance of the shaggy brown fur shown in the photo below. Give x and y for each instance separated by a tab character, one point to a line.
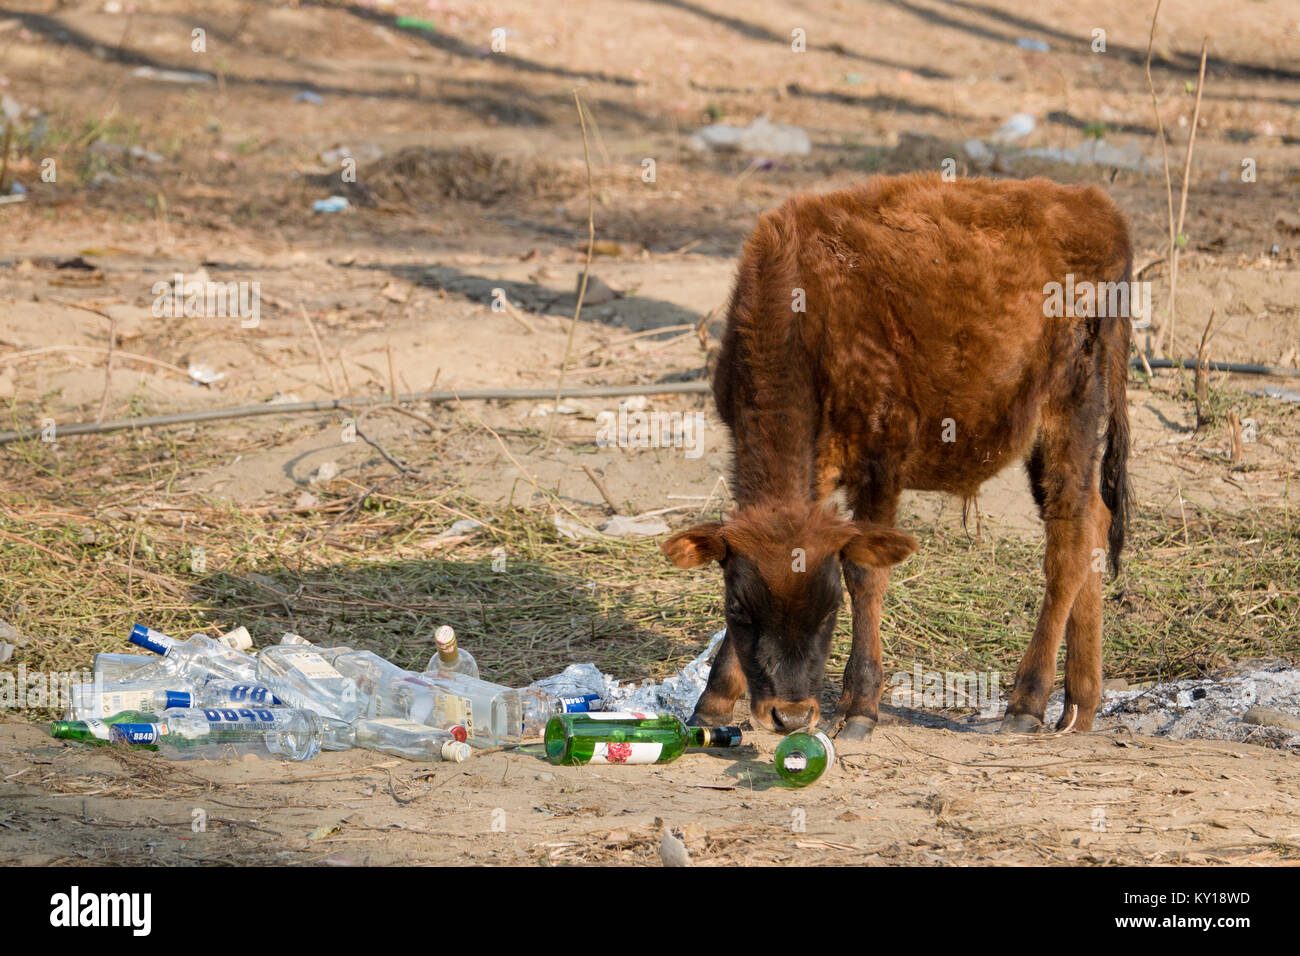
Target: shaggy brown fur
925	359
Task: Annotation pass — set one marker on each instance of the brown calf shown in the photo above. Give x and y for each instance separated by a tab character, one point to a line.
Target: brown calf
901	335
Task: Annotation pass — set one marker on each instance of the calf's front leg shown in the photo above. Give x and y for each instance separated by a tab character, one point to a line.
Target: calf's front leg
864	677
726	684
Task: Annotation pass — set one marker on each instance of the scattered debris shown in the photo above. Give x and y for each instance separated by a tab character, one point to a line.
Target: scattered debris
327	471
1017	127
172	76
307	96
333	204
672	851
1038	46
624	526
203	373
598	292
762	137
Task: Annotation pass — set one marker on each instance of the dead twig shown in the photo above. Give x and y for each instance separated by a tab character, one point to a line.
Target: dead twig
600	486
586	269
320	350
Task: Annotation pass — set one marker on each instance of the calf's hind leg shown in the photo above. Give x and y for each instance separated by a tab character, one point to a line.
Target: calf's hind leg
1062	472
1083	630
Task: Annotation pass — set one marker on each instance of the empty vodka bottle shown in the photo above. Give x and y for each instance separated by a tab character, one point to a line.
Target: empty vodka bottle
96	730
450	658
301	676
198	658
286	733
802	758
406	738
119	667
628	737
154	696
492	714
219	692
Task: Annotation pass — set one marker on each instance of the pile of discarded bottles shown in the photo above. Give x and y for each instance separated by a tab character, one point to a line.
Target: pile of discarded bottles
215	697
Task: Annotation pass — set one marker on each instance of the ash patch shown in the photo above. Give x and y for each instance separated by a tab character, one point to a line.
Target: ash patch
1254	702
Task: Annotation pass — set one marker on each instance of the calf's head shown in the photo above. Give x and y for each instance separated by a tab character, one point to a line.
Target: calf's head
781	570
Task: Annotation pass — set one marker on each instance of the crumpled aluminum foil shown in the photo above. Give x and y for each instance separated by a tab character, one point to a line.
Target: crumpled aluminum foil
675	695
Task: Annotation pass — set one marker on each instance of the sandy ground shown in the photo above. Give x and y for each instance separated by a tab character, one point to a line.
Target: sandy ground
915	795
408	274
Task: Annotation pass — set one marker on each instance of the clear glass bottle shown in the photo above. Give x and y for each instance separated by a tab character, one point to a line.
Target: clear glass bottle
405	738
450	658
198	658
301	676
99	700
493	714
628	737
112	668
190	733
229	693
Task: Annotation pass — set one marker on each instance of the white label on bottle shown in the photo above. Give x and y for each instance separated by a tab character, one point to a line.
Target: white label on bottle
315	668
830	748
454	709
617	715
400	723
98	728
626	753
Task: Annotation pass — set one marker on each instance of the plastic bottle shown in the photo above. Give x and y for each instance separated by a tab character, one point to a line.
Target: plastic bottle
802	758
301	676
98	700
450	658
628	737
189	733
95	730
199	658
405	738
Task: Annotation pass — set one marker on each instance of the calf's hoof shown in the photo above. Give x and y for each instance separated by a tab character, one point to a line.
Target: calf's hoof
1020	724
856	728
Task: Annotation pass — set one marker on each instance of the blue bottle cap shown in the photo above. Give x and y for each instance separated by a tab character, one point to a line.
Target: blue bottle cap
178	698
151	640
580	703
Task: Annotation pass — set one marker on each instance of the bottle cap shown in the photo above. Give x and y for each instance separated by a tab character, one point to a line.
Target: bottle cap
178	698
455	751
445	637
151	640
459	733
292	638
239	639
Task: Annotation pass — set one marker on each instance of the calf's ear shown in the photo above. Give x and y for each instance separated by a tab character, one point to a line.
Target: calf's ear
696	546
874	546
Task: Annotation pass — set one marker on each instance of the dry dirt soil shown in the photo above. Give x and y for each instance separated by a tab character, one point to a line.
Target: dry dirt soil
471	177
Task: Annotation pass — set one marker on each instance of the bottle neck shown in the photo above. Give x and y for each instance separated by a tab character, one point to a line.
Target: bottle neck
448	653
715	736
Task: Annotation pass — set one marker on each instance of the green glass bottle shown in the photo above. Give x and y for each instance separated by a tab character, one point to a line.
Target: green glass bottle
802	758
96	730
627	737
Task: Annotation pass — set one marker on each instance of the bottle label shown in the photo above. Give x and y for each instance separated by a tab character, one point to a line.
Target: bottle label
152	640
227	715
111	702
250	693
98	729
399	723
619	715
454	709
138	733
611	752
830	748
314	667
580	703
